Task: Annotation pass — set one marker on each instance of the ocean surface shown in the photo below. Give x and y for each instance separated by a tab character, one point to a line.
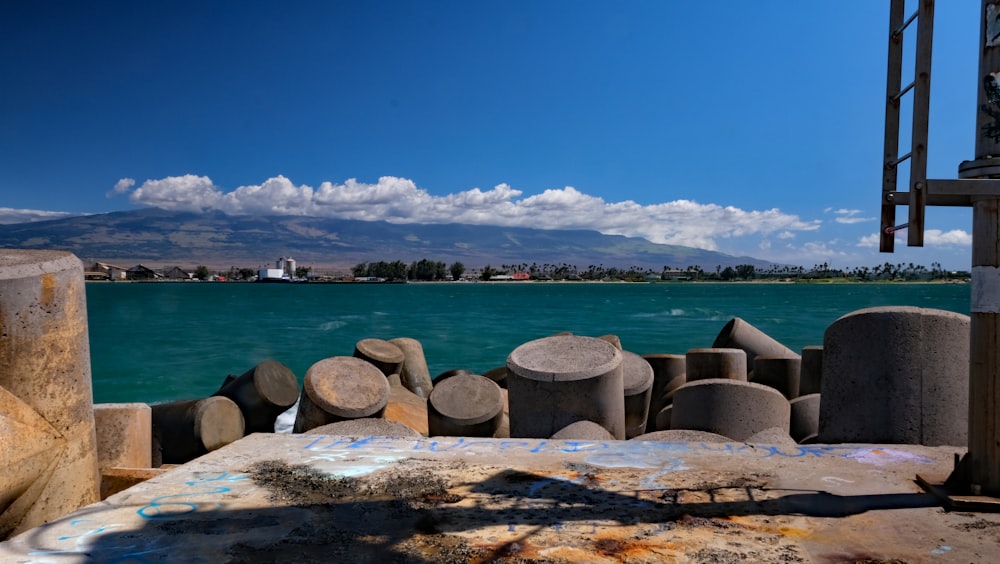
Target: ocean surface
154	342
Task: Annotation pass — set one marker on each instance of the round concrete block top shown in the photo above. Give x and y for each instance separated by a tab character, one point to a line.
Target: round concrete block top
276	383
564	358
22	263
583	431
217	422
637	374
901	310
346	386
453	372
380	350
365	427
771	436
467	399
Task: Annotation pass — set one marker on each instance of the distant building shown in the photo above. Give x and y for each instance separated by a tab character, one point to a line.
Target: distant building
104	271
140	272
177	273
283	271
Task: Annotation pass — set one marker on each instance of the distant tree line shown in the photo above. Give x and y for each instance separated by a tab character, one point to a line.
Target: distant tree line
426	270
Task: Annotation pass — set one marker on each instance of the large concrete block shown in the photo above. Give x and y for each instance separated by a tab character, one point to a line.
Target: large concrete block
555	381
805	417
338	388
124	435
405	407
727	363
896	375
48	451
414	374
778	372
184	430
385	356
262	393
738	334
637	381
811	370
731	408
669	373
583	431
466	405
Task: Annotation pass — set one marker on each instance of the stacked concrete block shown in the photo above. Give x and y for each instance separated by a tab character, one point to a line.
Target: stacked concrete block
778	372
583	431
262	393
726	363
739	334
669	373
365	427
555	381
466	405
896	375
338	388
48	451
811	374
184	430
663	418
637	381
414	374
731	408
385	356
498	375
124	434
683	436
804	424
405	407
775	436
613	339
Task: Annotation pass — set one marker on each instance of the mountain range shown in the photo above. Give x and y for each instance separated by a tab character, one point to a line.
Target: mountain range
163	238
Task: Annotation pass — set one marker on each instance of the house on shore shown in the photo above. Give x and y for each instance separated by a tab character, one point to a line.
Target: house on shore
140	272
104	271
177	273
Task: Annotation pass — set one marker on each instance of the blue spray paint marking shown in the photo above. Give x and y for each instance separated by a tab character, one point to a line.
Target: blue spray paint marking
155	509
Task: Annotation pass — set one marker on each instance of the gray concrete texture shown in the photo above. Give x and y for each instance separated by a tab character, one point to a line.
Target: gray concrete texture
323	498
184	430
385	356
811	370
896	375
778	372
707	363
555	381
669	373
805	417
637	381
262	393
731	408
583	431
739	334
414	373
48	450
124	435
365	427
465	405
338	388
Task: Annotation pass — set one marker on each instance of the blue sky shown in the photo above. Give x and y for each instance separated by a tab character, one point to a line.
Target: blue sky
747	128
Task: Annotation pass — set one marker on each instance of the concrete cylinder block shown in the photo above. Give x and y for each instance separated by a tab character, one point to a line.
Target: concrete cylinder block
583	431
805	417
48	450
465	406
774	436
703	364
669	373
739	334
385	356
637	381
338	388
498	375
555	381
613	339
683	436
262	393
663	418
896	375
124	435
811	372
405	407
778	372
730	408
184	430
453	372
415	375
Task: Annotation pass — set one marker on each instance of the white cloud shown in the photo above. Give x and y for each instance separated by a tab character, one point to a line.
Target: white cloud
932	238
122	186
11	215
400	200
848	217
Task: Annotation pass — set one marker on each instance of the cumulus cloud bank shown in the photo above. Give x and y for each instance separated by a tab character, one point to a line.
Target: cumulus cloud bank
399	200
932	238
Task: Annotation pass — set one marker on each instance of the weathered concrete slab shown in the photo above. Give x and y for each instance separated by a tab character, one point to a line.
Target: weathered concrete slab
309	498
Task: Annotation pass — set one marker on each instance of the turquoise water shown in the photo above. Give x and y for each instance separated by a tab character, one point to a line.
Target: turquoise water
164	341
